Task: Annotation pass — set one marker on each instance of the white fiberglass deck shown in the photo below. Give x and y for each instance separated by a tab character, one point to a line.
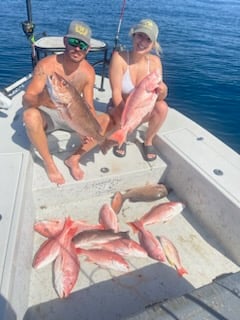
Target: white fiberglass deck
206	233
104	294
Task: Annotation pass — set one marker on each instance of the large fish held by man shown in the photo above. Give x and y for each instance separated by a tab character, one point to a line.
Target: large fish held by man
73	108
139	104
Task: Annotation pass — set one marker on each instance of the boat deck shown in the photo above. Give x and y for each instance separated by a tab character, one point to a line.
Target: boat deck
206	237
105	294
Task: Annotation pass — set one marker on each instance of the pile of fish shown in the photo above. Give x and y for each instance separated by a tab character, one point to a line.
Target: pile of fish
103	243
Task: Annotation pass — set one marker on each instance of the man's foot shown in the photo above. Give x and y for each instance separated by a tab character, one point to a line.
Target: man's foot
54	175
74	169
149	153
120	151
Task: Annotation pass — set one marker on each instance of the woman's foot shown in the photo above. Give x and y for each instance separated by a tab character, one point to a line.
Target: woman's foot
149	153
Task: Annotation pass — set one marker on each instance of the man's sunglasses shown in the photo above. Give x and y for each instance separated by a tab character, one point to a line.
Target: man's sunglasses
77	43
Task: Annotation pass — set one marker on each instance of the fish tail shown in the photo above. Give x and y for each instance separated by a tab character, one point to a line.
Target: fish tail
181	271
117	202
135	225
119	136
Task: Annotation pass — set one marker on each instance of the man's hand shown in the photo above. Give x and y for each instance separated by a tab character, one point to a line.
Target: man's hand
86	139
44	99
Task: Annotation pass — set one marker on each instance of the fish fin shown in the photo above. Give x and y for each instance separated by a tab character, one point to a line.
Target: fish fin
117	202
78	250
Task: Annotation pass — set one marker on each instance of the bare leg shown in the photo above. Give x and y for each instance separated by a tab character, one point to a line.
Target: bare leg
73	161
34	122
155	121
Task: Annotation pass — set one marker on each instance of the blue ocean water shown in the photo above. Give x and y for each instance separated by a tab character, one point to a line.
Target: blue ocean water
200	41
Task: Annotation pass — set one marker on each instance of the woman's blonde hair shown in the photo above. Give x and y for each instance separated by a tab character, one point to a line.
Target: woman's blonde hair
157	48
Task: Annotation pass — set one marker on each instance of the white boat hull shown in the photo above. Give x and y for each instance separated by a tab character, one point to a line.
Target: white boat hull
201	171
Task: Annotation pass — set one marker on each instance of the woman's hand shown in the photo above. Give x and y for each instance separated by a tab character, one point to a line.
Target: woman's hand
162	91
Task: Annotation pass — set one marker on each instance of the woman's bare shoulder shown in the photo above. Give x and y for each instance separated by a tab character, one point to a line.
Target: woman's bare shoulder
155	61
154	58
120	56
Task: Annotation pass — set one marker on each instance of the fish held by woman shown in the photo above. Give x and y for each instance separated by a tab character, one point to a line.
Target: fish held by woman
138	105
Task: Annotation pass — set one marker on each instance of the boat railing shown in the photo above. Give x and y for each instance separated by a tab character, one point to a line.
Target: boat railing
54	44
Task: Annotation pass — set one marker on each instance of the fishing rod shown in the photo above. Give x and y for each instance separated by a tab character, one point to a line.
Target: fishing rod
28	28
117	46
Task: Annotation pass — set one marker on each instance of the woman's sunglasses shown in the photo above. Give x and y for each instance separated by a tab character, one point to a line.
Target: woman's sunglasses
77	43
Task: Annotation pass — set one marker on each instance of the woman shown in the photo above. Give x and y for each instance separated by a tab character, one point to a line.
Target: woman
127	69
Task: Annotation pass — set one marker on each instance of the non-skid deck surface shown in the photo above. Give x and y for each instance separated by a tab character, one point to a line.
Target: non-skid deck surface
104	294
103	174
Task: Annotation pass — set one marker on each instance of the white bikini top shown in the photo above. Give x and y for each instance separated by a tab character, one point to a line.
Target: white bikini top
127	85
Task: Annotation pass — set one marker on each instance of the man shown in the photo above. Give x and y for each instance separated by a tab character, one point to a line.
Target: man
40	114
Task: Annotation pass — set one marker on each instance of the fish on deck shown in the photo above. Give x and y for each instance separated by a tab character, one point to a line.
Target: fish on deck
108	218
147	193
172	255
149	242
162	212
89	238
105	259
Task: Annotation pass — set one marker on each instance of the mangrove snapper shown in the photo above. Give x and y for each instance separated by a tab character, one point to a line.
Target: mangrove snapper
149	192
